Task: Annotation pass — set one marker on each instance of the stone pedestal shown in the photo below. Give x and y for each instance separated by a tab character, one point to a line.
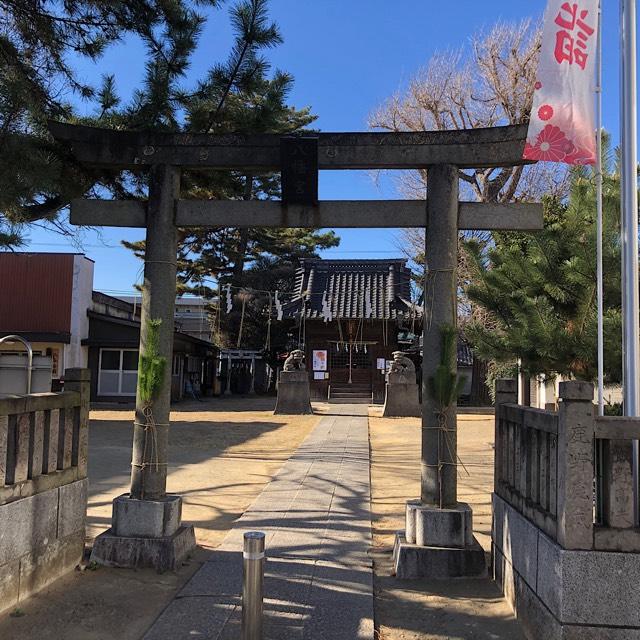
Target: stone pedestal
438	543
401	398
294	397
145	533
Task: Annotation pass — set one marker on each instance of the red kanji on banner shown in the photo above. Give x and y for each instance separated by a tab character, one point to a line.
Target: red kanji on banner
571	40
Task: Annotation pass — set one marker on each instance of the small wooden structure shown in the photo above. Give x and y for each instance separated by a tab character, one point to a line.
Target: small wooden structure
350	314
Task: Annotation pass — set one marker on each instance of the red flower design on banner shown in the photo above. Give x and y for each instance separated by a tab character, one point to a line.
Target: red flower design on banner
581	156
551	145
583	152
545	112
562	114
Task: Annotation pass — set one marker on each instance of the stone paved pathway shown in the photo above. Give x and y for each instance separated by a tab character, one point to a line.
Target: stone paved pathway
318	578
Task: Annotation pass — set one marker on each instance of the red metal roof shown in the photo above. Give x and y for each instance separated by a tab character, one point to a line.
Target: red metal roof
35	292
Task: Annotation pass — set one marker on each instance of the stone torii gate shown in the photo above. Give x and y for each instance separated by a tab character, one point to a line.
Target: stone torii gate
146	528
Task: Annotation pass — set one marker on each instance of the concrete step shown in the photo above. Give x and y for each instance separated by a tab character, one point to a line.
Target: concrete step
364	396
356	393
353	385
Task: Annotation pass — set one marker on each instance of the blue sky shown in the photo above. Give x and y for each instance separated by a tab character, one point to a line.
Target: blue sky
347	56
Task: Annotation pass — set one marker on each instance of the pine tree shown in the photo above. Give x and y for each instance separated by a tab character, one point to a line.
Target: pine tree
238	96
38	43
539	289
446	385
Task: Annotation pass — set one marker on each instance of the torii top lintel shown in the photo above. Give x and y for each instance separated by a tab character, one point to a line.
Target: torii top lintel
468	148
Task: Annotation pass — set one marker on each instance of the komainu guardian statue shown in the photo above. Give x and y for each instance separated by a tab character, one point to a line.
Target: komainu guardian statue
402	368
401	397
295	361
294	397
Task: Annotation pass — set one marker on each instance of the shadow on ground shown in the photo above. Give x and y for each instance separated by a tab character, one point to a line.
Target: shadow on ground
426	609
222	453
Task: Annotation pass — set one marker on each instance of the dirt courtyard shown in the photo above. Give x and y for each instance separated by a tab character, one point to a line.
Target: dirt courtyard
222	453
423	609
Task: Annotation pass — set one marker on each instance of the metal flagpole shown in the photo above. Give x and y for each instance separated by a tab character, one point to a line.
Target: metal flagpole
629	202
599	216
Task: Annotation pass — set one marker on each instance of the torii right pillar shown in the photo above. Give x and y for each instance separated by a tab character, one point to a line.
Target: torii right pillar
438	541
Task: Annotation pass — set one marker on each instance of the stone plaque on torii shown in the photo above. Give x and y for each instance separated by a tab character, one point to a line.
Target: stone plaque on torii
441	153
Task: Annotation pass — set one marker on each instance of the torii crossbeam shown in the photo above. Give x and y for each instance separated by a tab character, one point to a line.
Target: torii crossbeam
441	153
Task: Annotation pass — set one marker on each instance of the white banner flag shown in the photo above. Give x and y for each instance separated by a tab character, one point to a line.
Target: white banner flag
562	126
229	299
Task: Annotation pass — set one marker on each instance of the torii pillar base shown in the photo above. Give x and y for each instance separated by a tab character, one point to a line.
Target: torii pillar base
438	543
145	534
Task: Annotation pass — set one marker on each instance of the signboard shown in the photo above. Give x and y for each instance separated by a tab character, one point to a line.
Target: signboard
381	364
320	375
55	363
299	163
320	360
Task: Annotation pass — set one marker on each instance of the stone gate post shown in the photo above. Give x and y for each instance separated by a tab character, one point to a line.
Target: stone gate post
575	465
149	464
438	541
146	529
438	464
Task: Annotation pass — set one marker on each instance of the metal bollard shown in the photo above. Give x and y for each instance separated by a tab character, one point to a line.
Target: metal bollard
252	585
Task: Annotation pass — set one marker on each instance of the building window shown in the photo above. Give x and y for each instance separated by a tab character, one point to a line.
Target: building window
118	372
176	366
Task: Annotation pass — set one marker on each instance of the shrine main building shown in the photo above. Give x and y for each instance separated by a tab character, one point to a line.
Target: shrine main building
351	315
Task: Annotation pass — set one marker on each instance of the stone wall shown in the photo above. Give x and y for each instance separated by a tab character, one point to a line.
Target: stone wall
566	557
560	594
41	538
43	487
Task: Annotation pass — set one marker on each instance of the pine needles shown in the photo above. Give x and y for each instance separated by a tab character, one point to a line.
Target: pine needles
445	385
152	366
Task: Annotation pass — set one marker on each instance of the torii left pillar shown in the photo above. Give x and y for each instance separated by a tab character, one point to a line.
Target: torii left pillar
146	528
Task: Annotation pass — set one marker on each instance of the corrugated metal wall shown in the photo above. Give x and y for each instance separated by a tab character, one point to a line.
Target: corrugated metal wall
35	292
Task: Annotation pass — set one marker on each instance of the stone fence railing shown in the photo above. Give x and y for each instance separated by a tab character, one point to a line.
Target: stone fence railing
565	553
43	440
569	473
526	459
43	486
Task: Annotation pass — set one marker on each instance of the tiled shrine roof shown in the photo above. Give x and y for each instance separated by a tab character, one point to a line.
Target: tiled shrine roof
375	289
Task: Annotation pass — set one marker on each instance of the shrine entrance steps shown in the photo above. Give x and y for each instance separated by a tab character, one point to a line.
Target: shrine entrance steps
318	575
354	393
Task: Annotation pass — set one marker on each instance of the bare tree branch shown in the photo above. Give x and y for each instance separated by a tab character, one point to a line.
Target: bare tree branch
491	85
